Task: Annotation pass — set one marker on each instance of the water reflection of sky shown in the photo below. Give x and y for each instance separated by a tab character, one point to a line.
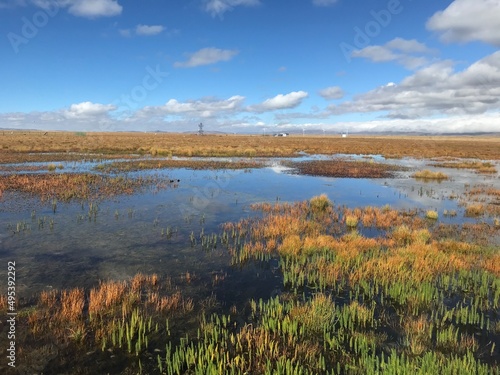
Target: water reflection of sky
125	237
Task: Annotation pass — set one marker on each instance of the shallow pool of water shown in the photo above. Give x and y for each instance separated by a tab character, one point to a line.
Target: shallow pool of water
152	231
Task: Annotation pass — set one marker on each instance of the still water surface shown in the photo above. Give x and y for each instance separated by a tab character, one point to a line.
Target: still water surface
150	232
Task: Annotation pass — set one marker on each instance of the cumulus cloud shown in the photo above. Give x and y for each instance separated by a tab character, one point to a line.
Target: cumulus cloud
86	110
468	20
376	54
219	7
281	101
323	3
333	92
84	8
453	124
95	8
399	50
408	46
145	30
85	116
202	108
149	29
436	89
207	56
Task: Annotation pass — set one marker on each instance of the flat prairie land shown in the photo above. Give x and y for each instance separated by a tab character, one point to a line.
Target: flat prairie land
21	146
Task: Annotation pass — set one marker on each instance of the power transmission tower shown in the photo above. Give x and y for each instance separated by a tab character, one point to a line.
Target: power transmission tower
200	129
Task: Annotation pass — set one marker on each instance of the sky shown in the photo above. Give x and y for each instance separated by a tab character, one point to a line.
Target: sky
250	66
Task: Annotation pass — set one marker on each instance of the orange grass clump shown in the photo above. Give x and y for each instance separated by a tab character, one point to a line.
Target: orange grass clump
430	175
492	264
72	303
105	296
317	249
474	210
345	168
74	185
383	218
291	246
3	302
127	166
110	303
478	166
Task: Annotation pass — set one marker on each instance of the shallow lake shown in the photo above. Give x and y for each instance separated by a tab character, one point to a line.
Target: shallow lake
152	231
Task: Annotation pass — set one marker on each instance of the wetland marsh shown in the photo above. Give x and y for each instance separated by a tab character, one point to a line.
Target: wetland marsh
175	254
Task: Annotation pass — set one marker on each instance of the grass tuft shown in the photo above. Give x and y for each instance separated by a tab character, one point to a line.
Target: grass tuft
320	203
432	215
430	175
351	221
475	210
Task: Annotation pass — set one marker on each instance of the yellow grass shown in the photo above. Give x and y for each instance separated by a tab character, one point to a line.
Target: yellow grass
478	166
430	175
473	210
431	214
13	147
351	221
72	304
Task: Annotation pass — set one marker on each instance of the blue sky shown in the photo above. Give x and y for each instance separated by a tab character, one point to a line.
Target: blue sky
250	65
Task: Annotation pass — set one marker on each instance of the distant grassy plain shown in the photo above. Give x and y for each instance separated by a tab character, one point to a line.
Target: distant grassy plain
19	146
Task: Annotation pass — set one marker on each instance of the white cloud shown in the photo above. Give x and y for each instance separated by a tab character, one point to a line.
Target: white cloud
436	89
95	8
324	3
408	46
207	107
219	7
207	56
333	92
376	54
213	107
453	124
286	101
86	110
146	30
399	50
182	116
84	8
468	20
85	116
149	29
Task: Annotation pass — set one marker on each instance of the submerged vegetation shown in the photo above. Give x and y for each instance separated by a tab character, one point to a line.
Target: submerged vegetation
436	296
415	299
